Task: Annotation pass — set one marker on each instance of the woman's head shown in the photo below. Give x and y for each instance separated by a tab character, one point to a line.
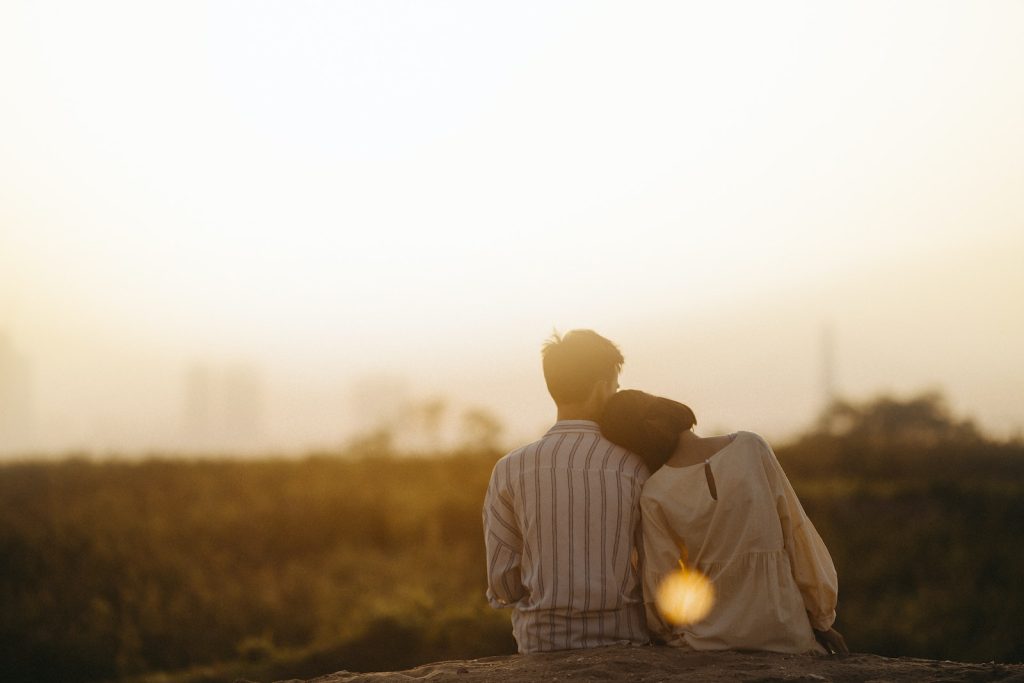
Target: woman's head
647	425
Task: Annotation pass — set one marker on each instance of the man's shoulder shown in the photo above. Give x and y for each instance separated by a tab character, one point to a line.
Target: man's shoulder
607	452
512	461
519	453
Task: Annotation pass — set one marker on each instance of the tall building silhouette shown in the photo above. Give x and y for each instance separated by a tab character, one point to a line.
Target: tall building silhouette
223	408
242	396
15	398
198	407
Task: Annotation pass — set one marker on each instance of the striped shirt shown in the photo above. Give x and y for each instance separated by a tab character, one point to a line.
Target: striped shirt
562	531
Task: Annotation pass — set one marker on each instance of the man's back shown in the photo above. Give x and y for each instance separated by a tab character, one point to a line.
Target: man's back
562	525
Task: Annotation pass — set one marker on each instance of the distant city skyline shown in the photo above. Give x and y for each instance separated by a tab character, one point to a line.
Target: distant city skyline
229	406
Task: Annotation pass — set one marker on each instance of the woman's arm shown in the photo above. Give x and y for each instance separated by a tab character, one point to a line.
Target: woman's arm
661	554
812	566
833	642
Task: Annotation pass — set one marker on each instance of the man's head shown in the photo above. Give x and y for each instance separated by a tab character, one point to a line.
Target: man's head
581	368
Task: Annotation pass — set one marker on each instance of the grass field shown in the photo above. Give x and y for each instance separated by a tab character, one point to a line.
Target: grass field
190	570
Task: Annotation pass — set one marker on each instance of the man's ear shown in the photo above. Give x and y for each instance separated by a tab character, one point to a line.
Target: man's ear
598	391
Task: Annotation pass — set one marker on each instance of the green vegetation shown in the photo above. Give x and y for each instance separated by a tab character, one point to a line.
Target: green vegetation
217	569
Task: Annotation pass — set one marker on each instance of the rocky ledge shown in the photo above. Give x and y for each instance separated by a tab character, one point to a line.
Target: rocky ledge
669	664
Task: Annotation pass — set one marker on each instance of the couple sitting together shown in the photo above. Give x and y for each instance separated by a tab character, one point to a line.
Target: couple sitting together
583	525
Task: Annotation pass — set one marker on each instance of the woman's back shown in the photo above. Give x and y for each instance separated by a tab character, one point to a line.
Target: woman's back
767	563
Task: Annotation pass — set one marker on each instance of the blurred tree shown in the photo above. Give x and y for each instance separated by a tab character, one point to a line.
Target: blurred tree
480	430
922	421
378	443
421	427
887	436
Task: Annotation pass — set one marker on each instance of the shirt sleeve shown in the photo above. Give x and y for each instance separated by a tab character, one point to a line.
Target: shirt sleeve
811	563
637	556
661	557
504	543
638	537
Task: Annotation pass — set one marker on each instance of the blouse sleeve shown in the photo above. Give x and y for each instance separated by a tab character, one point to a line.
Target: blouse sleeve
811	563
661	557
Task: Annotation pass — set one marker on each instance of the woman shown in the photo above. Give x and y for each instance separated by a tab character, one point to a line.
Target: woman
724	505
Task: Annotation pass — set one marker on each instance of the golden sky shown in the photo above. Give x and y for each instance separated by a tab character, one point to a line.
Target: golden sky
327	192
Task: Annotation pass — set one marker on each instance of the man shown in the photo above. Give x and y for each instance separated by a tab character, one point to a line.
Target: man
562	515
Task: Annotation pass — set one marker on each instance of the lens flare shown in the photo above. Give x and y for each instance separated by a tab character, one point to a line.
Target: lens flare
685	596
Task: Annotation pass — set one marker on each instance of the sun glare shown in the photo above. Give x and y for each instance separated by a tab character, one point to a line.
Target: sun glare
685	596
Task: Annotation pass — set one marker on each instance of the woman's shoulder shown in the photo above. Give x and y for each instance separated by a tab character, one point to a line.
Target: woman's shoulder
651	495
753	448
752	439
758	453
662	484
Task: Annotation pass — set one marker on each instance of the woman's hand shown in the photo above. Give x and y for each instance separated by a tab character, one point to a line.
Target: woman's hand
833	641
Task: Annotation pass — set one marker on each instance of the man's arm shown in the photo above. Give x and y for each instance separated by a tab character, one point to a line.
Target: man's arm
504	543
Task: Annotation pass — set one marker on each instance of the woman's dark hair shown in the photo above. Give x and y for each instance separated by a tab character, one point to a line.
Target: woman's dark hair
647	425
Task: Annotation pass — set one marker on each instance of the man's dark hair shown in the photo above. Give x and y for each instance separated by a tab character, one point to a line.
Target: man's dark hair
575	362
647	425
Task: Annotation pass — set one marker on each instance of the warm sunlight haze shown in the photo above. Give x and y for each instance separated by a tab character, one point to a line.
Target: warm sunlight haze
252	227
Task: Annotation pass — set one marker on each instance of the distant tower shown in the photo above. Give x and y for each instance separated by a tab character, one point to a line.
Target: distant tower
828	366
15	398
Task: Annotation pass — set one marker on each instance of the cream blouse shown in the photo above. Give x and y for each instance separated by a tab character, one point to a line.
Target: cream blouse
772	574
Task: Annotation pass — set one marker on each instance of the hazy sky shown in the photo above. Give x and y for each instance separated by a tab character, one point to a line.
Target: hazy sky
329	192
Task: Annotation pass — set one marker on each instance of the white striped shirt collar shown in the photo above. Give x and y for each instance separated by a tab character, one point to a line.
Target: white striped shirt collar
563	426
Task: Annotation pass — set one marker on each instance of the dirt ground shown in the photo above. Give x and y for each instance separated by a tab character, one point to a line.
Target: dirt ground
670	664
